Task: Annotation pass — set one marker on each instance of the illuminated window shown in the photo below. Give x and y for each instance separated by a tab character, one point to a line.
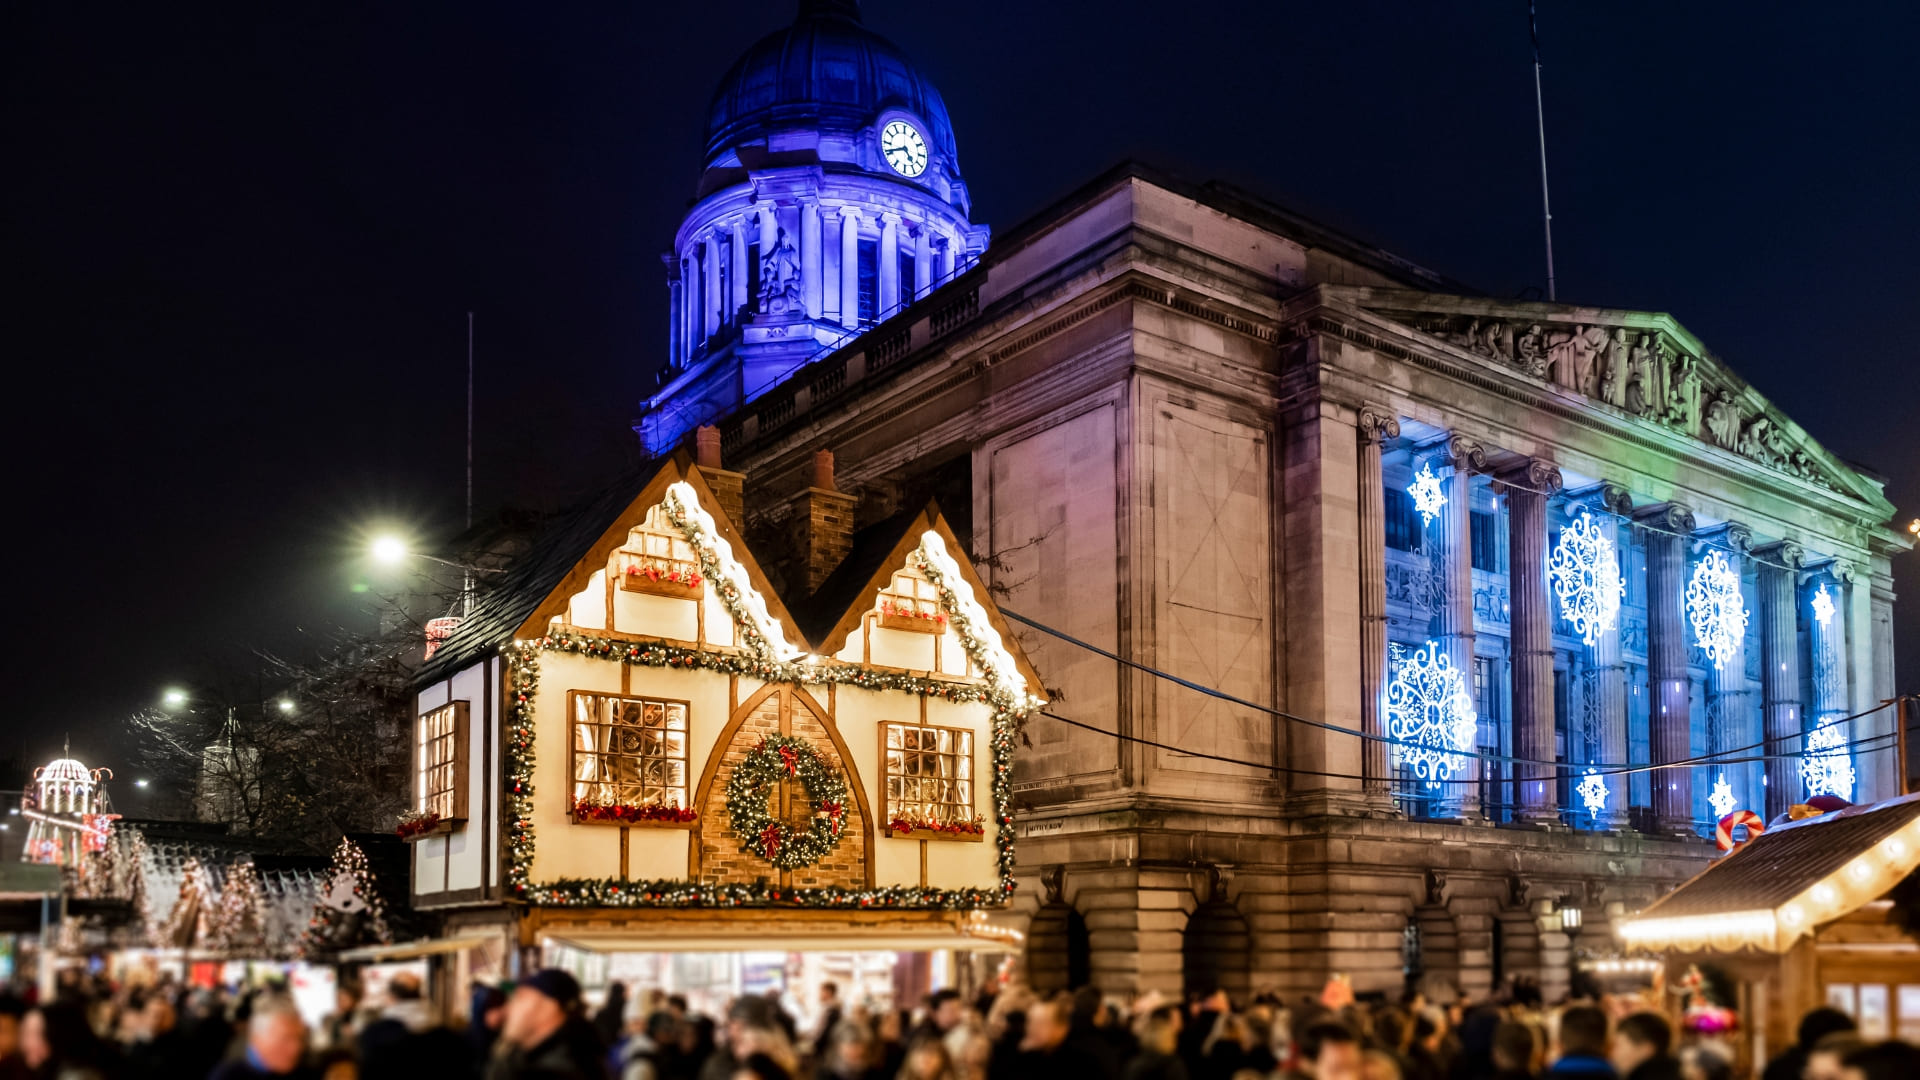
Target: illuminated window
440	762
907	284
869	281
929	774
628	751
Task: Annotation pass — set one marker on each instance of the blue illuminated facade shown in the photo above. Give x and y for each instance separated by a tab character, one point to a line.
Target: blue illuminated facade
831	199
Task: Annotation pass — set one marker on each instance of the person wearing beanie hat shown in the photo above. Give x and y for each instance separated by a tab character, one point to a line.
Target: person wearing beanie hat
544	1035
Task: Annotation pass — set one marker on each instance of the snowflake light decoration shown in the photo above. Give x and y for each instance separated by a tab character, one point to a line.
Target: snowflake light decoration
1427	496
1827	768
1593	792
1823	605
1428	705
1715	607
1722	799
1586	577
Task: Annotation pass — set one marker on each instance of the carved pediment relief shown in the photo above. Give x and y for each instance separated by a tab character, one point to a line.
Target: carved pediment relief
1641	364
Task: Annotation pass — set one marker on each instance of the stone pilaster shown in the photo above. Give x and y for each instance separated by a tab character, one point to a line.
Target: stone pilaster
1778	567
1527	487
922	261
812	260
1609	503
714	303
676	314
1375	427
737	274
849	267
1668	526
1457	459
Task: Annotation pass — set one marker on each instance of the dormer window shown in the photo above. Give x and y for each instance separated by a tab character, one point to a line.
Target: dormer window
657	559
910	602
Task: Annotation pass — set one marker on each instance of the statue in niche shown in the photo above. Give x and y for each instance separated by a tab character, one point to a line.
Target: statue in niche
1640	377
1613	374
780	278
1683	394
1530	351
1723	421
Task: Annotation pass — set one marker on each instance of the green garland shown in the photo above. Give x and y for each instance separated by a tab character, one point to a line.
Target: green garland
757	661
778	758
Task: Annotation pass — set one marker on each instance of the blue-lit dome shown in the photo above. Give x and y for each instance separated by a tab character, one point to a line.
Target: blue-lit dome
825	72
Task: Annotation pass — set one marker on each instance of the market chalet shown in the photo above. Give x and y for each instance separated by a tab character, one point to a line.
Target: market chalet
634	740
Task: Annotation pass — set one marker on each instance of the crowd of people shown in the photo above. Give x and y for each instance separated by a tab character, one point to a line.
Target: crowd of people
541	1028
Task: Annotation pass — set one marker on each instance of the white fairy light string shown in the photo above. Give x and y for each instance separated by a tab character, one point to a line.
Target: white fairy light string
1427	496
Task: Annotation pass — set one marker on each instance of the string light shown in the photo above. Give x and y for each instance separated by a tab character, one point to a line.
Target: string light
1428	706
1586	577
1823	605
1827	769
1722	799
1593	792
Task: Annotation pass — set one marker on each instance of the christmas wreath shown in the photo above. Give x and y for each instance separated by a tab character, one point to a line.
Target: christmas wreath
778	758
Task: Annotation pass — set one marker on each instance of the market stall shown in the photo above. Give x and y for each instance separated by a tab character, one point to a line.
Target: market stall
1822	911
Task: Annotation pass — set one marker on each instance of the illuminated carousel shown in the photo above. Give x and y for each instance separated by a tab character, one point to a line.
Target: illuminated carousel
69	815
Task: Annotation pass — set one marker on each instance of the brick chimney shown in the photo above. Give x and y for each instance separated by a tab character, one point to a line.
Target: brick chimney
726	485
827	521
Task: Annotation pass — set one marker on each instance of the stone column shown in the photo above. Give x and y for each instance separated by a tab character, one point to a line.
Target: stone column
948	253
676	316
1729	704
812	260
737	273
1668	526
1527	487
1376	426
889	264
1459	459
1778	571
849	267
923	262
712	279
1608	503
1827	648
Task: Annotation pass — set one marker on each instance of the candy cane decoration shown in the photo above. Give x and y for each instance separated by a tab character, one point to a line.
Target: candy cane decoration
1723	836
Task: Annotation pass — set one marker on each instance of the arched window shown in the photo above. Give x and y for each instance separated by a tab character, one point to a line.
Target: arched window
1059	950
1217	951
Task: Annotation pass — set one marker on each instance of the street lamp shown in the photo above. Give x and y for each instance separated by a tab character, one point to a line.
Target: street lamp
174	698
1570	918
140	782
389	550
286	705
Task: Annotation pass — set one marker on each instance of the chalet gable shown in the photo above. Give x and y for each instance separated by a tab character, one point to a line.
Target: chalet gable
1643	364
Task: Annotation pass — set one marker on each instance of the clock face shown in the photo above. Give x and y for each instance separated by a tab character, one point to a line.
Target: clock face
903	148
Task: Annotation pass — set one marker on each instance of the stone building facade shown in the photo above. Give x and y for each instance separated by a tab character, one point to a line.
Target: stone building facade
1205	438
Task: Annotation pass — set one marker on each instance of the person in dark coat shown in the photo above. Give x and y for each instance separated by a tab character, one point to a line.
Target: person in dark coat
1583	1046
1791	1063
1643	1048
1158	1057
1049	1053
611	1020
545	1036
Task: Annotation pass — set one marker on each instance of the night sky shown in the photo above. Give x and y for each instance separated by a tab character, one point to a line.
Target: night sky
241	245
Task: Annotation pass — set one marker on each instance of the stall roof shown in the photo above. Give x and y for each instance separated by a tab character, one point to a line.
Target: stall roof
1787	881
411	950
624	941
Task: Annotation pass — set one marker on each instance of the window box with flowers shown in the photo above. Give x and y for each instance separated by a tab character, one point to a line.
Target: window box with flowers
921	615
441	738
658	563
929	783
629	762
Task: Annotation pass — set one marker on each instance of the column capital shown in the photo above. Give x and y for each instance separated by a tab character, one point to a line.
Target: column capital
1840	570
1536	475
1729	533
1668	516
1783	554
849	213
1605	496
672	263
1456	450
888	217
1377	424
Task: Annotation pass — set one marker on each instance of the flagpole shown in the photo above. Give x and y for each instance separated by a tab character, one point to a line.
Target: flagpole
1540	112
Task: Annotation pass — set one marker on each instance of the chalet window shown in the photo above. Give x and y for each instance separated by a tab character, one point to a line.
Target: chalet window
628	751
929	774
1403	522
440	762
